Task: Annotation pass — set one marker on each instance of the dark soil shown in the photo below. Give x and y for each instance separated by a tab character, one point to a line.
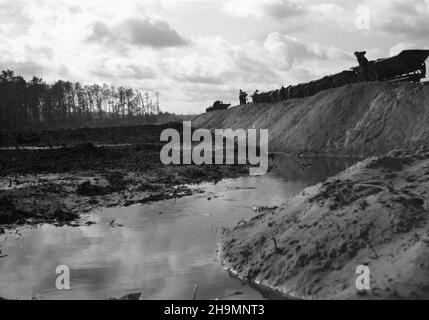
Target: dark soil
56	185
67	137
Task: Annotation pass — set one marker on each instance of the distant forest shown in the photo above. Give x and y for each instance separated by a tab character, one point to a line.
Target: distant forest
38	105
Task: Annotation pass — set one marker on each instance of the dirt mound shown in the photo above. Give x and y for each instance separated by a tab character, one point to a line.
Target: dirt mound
360	119
374	214
115	183
9	213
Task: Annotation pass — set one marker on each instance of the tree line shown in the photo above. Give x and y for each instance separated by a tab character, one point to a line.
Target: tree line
36	104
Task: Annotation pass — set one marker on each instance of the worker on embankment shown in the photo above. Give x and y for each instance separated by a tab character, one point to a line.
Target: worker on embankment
243	97
255	97
363	65
282	94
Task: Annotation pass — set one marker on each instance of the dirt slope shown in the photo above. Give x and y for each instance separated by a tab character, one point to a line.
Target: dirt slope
373	214
360	119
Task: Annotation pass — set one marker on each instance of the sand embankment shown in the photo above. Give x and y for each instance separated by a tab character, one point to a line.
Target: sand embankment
374	214
360	119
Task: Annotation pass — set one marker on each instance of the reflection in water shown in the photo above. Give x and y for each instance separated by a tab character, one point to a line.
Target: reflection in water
162	250
309	171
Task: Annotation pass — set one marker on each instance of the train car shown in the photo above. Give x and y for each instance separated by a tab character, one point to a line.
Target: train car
409	65
218	105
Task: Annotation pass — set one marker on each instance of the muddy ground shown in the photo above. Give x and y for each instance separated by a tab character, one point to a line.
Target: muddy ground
374	214
96	136
56	185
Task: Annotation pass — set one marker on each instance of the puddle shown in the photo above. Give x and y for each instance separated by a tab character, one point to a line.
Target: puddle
162	249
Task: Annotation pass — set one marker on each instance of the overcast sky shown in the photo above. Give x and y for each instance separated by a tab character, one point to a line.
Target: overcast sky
196	51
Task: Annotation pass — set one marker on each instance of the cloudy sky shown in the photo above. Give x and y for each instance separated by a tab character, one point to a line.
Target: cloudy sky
196	51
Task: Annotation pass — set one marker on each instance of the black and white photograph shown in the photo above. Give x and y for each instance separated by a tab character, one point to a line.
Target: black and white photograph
225	152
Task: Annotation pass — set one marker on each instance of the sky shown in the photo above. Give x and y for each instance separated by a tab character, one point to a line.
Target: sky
194	52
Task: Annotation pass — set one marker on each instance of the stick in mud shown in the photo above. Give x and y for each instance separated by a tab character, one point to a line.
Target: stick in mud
2	255
241	222
278	250
195	292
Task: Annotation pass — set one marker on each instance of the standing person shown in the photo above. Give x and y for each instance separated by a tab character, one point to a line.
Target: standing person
363	65
240	97
255	97
243	97
282	94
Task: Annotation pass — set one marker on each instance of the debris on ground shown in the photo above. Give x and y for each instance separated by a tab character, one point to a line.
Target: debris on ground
130	297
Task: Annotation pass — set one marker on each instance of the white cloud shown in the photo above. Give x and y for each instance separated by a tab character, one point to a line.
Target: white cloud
401	47
142	43
146	32
262	8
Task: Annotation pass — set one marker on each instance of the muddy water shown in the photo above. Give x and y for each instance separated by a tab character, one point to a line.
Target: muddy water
161	250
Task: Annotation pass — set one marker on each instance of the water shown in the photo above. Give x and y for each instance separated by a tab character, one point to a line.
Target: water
161	250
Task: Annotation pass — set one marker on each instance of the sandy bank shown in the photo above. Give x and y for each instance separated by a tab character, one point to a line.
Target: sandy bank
360	119
373	214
